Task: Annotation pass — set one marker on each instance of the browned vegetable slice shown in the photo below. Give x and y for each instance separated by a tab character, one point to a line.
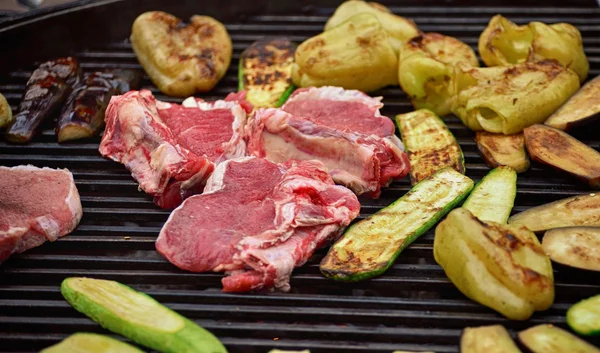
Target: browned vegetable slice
582	108
499	149
563	152
582	210
487	339
551	339
574	246
6	116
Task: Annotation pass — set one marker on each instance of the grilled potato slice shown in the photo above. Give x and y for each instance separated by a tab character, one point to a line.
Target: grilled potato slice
504	43
582	108
6	116
399	28
498	149
426	64
508	99
354	55
180	58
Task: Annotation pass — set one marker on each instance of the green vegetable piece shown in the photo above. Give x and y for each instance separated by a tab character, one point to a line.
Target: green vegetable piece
584	317
138	317
493	197
91	343
369	247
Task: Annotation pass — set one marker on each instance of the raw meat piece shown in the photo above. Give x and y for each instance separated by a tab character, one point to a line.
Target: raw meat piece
257	221
36	204
364	163
172	149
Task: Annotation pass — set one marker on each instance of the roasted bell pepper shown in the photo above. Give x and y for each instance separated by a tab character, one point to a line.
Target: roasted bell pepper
504	43
499	266
508	99
425	70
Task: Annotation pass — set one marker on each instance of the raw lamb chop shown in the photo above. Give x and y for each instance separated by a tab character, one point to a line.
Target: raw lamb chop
363	163
172	149
36	204
257	220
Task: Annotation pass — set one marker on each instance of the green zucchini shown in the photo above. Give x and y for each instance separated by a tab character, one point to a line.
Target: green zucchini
265	72
493	197
429	144
584	317
135	315
369	247
551	339
91	343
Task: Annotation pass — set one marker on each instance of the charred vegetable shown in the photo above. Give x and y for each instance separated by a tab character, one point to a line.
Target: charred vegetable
91	343
357	54
493	197
574	246
582	108
583	210
499	266
83	113
180	58
138	317
563	152
429	144
426	66
504	43
6	116
498	149
265	72
398	28
369	247
508	99
47	88
551	339
487	339
584	317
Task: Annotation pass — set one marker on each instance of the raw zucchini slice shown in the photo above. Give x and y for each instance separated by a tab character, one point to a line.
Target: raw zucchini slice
369	247
574	246
138	317
584	317
429	144
551	339
91	343
583	210
493	197
265	72
487	339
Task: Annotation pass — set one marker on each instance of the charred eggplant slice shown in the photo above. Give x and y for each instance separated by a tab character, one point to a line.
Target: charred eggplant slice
47	88
551	339
265	72
574	246
499	149
563	152
582	108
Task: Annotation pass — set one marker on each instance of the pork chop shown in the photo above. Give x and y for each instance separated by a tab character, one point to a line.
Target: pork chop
257	221
36	204
171	149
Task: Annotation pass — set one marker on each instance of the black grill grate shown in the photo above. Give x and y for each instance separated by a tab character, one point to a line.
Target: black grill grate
413	306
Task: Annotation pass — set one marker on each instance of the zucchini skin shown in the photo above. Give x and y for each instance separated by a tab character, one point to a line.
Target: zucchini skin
480	201
584	317
190	338
352	270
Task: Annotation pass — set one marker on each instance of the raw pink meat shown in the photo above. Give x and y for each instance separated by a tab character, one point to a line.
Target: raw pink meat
36	204
257	221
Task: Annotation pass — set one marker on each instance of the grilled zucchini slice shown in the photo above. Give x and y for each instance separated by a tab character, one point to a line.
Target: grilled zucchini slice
584	317
429	144
265	72
551	339
487	339
574	246
493	197
135	315
369	247
91	343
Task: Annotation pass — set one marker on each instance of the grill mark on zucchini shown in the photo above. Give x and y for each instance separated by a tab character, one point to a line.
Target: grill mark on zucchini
493	197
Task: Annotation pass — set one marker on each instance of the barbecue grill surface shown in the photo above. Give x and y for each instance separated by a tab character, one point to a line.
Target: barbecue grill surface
413	306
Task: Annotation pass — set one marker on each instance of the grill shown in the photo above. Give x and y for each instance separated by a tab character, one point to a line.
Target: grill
411	307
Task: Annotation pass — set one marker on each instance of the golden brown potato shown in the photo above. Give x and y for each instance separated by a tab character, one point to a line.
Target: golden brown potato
399	28
508	99
6	116
180	58
504	43
426	65
354	55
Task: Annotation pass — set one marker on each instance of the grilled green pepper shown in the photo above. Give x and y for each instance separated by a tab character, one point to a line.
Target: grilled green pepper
493	197
91	343
429	144
551	339
138	317
584	317
369	247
